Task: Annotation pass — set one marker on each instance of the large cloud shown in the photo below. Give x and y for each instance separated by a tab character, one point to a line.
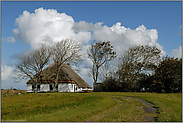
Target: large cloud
46	25
177	53
51	26
120	36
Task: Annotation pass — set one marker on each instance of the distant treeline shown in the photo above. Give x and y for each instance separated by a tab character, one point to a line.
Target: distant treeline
140	68
167	78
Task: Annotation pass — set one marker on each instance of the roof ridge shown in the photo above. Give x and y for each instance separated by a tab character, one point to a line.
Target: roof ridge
66	69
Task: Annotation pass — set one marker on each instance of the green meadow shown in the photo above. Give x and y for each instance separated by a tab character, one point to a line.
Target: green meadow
99	107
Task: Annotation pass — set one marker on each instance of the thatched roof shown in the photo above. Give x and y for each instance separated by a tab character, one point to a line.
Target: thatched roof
66	75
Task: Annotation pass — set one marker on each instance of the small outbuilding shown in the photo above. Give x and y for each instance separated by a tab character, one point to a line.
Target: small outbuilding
69	81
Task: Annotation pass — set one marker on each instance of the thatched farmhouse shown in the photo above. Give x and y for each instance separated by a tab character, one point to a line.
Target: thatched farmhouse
69	81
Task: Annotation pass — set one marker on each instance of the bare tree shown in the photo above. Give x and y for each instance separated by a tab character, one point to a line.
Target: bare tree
107	71
31	65
100	52
65	51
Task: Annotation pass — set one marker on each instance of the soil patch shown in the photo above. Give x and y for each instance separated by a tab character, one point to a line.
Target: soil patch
8	92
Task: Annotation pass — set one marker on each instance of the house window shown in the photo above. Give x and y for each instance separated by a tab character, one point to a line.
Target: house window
53	77
38	87
51	88
68	77
32	87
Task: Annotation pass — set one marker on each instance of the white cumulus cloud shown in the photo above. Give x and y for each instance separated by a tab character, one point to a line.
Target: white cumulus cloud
51	26
177	53
83	36
44	25
120	36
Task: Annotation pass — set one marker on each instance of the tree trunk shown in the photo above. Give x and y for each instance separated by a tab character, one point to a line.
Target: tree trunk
96	75
56	82
93	71
35	88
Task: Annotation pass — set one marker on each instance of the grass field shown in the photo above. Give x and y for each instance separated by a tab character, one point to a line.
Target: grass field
102	106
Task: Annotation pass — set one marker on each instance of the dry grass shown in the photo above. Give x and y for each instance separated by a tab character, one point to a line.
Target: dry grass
8	92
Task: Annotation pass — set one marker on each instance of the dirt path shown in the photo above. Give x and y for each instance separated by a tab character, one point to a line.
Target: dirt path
148	108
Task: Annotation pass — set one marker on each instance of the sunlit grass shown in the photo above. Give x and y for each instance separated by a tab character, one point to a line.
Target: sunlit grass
104	106
170	105
131	110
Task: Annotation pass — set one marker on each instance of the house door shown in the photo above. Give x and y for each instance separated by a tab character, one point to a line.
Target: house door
32	87
75	88
38	88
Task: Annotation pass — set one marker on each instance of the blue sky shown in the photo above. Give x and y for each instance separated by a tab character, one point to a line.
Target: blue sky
164	19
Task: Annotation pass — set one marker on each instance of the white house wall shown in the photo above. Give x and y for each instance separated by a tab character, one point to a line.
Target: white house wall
86	89
68	87
65	87
62	87
29	88
44	88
